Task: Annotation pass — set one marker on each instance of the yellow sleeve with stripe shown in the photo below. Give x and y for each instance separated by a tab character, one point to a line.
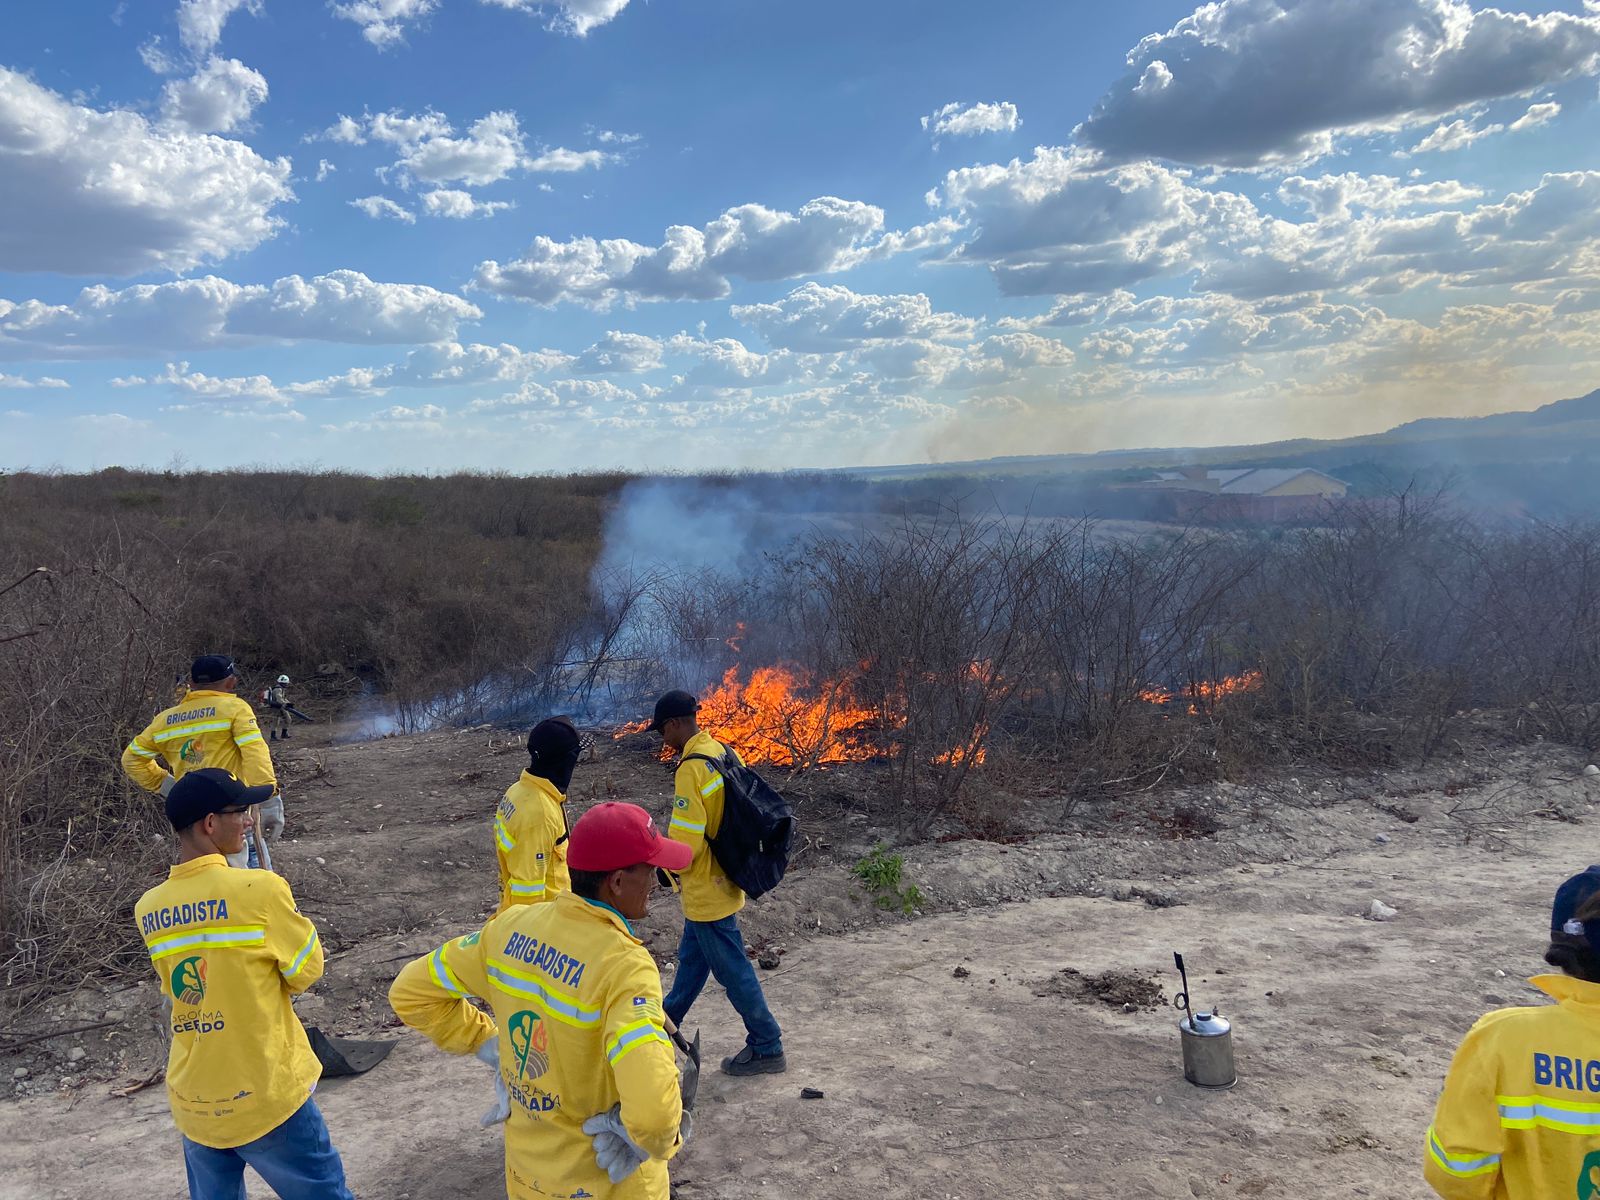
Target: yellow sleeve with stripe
641	1060
294	942
1461	1160
692	783
527	846
140	762
431	995
255	763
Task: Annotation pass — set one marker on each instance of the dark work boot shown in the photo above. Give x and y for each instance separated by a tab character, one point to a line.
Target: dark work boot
748	1062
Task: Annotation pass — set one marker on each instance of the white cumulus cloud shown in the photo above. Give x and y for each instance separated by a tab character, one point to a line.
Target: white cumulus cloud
200	22
562	159
619	353
748	242
341	306
965	120
575	17
443	364
1247	82
220	96
1536	115
379	207
1337	195
198	390
429	150
489	150
383	22
1059	222
89	192
447	202
1455	135
20	382
819	317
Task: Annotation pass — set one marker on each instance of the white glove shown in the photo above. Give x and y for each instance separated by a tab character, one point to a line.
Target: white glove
686	1128
272	817
489	1055
167	782
615	1153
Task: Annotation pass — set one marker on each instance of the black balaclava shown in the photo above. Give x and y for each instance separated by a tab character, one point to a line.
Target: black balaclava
553	749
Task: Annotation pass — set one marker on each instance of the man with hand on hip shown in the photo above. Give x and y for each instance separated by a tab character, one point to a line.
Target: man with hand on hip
584	1067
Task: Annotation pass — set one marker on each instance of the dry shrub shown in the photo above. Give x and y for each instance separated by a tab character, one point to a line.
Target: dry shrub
467	587
85	654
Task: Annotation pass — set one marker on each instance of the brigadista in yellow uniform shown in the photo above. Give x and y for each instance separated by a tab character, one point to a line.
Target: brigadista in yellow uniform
205	729
1520	1114
577	1021
577	1008
1519	1118
530	826
230	948
530	832
708	893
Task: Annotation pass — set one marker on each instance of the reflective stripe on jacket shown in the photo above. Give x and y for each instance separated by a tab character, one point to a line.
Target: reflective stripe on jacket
530	842
230	948
708	894
1519	1118
204	729
576	1000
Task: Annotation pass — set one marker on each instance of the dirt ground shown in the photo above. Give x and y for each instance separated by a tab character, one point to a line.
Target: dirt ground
965	1049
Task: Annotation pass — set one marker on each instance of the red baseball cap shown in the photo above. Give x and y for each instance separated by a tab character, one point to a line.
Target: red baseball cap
614	835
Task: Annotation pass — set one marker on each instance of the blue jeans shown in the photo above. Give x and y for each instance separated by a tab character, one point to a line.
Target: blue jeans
717	948
296	1159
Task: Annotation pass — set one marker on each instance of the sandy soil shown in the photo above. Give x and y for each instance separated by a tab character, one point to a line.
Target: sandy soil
991	1079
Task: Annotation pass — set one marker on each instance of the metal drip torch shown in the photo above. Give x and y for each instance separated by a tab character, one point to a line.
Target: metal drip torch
1207	1041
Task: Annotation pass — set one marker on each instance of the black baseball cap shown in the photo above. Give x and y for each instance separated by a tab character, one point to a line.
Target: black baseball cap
212	668
1570	897
208	790
673	704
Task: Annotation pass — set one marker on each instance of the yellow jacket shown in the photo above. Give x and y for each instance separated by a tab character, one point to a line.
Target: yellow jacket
204	729
708	894
577	1008
1519	1118
530	842
230	948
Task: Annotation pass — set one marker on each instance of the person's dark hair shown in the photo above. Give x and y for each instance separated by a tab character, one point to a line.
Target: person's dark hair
587	883
1571	952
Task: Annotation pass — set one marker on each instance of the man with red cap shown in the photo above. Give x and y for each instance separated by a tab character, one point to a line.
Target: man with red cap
585	1071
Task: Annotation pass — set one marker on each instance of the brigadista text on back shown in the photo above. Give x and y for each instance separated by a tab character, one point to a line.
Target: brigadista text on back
757	830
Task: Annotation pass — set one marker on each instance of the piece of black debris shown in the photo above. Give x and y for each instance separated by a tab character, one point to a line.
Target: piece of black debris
960	973
811	1093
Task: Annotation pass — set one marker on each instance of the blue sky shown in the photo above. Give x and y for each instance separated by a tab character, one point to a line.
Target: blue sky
500	234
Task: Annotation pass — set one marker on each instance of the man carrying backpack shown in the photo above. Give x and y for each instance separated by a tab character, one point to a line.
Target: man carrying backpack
712	943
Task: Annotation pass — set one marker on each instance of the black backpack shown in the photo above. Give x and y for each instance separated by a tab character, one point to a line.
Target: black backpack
757	830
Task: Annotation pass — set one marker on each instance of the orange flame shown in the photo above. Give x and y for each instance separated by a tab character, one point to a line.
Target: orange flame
784	716
974	749
1206	691
780	715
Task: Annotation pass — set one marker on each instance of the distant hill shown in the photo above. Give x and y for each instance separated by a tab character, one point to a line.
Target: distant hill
1556	432
1544	463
